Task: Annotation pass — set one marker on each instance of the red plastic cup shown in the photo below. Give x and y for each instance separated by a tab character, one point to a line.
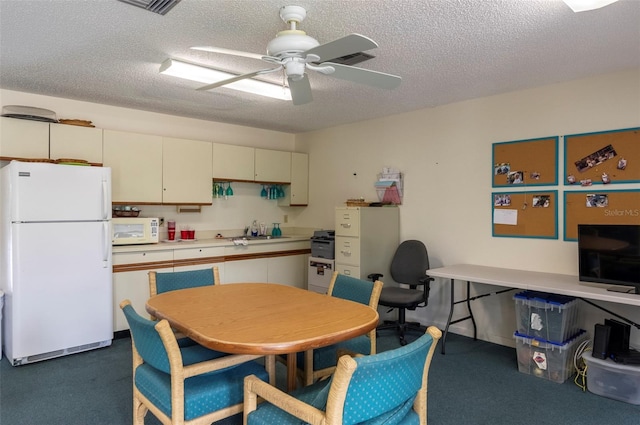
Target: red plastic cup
192	234
172	234
184	234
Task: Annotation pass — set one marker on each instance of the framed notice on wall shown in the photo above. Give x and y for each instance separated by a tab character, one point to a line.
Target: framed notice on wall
525	214
599	207
602	158
521	163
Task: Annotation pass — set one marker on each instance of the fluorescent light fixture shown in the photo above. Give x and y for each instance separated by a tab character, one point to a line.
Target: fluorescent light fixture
584	5
206	75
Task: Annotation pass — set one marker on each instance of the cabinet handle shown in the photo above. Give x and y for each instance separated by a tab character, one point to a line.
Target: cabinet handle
346	225
346	253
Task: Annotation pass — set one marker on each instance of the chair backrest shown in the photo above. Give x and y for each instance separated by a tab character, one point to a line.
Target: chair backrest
146	339
353	289
410	262
389	384
171	281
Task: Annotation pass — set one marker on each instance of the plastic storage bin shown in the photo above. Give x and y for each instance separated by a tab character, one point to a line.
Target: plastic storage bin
613	380
550	317
544	359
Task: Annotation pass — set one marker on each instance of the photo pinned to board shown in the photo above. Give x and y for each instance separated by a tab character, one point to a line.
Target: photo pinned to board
541	201
597	200
534	175
501	168
502	200
596	158
515	177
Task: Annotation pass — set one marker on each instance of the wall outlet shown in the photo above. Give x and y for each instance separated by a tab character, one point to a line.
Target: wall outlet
285	219
161	220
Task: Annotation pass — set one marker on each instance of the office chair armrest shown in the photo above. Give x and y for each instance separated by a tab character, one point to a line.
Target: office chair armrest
375	276
425	280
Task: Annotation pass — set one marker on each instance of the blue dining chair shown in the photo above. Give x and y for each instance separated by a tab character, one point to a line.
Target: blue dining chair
385	388
183	385
321	362
173	281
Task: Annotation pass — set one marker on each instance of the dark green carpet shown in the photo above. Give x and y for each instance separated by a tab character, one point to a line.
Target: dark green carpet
474	383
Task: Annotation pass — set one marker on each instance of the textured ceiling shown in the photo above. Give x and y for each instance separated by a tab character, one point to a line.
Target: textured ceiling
106	51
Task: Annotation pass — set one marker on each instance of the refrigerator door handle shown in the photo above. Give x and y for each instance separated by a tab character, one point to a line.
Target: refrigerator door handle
105	200
106	242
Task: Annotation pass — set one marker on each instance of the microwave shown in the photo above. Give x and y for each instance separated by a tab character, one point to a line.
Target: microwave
134	230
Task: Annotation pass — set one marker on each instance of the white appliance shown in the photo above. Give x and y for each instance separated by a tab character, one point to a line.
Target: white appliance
55	261
320	273
134	230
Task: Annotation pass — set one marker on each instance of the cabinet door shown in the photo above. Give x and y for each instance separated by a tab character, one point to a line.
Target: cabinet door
297	194
72	141
186	171
272	166
23	138
136	166
134	285
288	270
234	163
254	270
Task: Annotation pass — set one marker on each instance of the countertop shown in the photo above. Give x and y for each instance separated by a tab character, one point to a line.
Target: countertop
205	243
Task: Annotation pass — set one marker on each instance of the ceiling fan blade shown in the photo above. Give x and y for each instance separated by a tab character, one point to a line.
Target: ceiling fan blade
237	78
348	45
364	76
300	90
224	51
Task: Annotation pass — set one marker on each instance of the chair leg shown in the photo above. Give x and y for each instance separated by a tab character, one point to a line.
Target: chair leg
401	325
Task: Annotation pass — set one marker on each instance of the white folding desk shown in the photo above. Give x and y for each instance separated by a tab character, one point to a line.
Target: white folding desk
521	279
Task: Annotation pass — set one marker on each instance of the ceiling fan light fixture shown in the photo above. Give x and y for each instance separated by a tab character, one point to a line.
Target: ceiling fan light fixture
201	74
585	5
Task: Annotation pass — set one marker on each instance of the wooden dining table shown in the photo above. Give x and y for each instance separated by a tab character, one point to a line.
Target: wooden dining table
262	318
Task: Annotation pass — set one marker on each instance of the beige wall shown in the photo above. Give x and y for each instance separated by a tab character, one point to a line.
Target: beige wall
445	155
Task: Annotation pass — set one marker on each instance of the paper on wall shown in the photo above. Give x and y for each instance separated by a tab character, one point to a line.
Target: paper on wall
505	216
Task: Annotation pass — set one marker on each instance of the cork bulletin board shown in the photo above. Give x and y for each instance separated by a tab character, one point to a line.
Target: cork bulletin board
599	207
532	162
525	214
602	158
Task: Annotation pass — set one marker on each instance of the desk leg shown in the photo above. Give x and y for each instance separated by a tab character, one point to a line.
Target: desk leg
446	328
467	300
291	372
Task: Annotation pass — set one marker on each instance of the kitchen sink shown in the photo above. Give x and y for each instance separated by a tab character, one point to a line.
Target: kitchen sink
254	238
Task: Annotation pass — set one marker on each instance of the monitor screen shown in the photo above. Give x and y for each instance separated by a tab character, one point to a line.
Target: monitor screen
609	253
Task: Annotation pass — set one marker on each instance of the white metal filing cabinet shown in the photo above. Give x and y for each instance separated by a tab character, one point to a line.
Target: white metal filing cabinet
366	239
320	272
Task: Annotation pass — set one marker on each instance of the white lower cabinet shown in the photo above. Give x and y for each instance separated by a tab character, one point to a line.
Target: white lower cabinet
284	263
133	283
288	270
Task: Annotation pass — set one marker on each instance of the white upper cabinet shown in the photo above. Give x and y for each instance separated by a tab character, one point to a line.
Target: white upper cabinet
297	194
75	142
136	166
232	162
186	171
23	138
272	166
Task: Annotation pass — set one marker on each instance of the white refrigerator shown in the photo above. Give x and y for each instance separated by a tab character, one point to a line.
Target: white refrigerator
55	260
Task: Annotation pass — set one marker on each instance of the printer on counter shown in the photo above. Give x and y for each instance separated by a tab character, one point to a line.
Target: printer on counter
323	244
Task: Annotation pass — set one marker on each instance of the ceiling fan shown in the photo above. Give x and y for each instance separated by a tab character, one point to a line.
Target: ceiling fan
294	52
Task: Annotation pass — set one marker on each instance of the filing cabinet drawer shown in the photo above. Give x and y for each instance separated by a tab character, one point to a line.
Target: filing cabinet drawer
348	250
348	222
347	270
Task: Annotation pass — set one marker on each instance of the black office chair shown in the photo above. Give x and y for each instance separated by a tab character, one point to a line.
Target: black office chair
408	267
